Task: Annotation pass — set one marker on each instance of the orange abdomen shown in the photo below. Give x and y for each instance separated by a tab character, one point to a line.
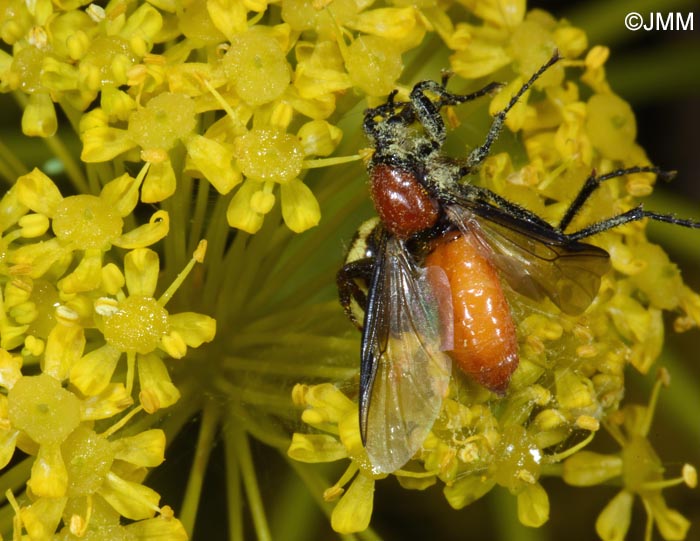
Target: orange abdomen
485	343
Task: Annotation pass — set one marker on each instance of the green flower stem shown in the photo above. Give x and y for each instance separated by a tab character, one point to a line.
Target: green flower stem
316	484
277	367
207	433
681	405
294	515
291	340
15	479
505	511
199	215
10	166
315	238
270	397
234	496
220	262
73	168
237	443
170	420
327	311
178	208
263	428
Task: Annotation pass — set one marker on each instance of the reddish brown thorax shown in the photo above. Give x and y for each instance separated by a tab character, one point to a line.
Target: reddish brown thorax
485	343
403	205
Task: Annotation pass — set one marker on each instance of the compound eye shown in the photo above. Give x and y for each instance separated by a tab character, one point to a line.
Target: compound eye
403	204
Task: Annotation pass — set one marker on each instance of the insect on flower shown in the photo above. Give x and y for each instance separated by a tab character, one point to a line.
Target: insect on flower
427	272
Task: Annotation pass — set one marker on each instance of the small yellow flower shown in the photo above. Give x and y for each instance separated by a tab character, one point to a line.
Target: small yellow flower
329	410
640	471
139	326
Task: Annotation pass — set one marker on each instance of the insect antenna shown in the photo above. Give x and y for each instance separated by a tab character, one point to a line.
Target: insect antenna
479	154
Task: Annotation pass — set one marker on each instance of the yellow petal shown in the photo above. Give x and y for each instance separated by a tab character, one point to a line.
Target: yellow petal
49	477
300	208
390	23
215	161
479	59
39	118
672	525
195	329
240	214
157	390
38	192
533	506
112	400
8	442
319	138
174	345
146	449
229	16
42	517
501	13
64	347
101	144
158	529
122	194
328	400
38	257
586	468
87	276
316	448
354	510
10	369
147	234
614	521
92	373
112	279
467	490
11	208
141	269
144	23
131	500
160	183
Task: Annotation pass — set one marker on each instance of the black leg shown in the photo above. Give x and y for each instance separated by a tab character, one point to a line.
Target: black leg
593	182
427	110
633	215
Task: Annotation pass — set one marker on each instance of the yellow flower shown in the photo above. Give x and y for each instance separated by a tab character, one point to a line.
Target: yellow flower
138	325
329	410
640	471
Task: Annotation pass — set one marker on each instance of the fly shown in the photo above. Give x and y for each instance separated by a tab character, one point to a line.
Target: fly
426	275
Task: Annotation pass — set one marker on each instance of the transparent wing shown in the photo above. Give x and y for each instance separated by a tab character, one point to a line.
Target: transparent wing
405	369
535	260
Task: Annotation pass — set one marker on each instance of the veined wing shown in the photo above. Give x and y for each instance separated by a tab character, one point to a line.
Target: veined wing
404	371
536	260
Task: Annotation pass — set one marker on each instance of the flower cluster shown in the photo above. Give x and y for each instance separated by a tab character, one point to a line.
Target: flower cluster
194	118
70	311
